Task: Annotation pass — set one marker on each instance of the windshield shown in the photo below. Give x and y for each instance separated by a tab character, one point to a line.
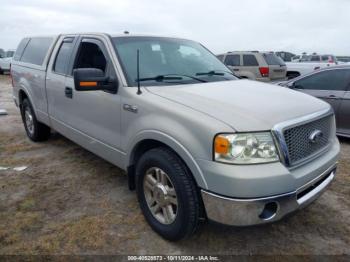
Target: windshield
160	56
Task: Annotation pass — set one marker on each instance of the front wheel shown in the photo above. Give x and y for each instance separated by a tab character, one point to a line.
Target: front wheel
167	194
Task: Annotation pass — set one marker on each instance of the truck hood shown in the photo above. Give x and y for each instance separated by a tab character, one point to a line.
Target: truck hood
244	105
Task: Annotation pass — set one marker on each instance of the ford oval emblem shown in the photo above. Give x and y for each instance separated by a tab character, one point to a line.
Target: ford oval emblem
315	136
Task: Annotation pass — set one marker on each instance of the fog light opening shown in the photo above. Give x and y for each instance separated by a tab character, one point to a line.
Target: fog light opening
269	211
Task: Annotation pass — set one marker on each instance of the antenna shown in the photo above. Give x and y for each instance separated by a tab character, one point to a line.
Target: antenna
138	73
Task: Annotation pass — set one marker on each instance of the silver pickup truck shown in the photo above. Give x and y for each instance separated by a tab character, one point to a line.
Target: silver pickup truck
196	142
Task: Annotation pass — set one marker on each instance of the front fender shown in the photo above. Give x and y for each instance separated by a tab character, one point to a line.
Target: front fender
175	145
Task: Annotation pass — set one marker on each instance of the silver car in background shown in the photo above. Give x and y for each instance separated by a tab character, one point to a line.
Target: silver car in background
332	85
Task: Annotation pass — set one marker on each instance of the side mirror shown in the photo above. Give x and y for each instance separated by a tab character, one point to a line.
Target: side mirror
93	79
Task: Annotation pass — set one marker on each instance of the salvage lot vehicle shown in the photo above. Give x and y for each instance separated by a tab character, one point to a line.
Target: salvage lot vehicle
6	61
286	56
331	85
330	59
196	141
295	69
254	65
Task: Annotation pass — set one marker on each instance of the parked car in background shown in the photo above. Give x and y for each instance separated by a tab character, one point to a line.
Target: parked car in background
331	85
315	58
286	56
343	59
195	141
299	58
5	62
254	65
295	69
2	53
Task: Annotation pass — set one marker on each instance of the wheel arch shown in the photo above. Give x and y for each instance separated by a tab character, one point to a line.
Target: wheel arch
21	96
151	139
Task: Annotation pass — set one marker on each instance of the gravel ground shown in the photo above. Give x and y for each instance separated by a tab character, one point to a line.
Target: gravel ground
69	201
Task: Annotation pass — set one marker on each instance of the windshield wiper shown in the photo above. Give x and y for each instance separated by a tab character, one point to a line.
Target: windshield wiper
161	78
214	73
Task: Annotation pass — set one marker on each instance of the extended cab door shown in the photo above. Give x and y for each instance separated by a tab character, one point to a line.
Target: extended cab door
90	118
56	78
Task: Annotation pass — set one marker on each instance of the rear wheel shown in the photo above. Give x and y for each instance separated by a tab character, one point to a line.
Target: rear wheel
35	130
167	194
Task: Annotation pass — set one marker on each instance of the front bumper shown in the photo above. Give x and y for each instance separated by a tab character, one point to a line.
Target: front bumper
244	212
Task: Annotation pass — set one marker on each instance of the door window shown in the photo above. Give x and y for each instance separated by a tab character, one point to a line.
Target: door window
90	55
336	80
250	60
315	58
325	58
233	60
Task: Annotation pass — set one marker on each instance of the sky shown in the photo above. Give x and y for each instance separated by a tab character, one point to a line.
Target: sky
296	26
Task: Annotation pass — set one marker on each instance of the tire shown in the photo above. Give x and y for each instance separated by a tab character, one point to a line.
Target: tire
178	181
35	130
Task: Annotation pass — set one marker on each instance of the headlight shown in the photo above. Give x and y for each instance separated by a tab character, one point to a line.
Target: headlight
245	148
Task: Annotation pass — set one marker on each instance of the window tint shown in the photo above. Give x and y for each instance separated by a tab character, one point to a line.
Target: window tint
20	49
220	57
90	56
250	60
326	80
324	58
36	50
63	56
315	58
233	60
272	59
305	58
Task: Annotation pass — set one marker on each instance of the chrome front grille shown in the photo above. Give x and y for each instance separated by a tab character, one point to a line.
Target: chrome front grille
299	143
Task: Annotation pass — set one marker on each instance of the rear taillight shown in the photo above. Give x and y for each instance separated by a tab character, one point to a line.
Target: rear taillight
264	71
11	75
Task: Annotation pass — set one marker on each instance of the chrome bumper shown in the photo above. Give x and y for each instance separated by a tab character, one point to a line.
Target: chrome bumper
244	212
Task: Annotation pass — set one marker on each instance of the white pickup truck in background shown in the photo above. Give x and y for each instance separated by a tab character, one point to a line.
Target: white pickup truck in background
295	69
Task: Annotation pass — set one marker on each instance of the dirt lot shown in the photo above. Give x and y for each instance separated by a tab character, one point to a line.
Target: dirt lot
70	201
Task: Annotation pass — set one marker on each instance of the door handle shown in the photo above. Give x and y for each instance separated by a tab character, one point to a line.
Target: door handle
235	69
68	92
